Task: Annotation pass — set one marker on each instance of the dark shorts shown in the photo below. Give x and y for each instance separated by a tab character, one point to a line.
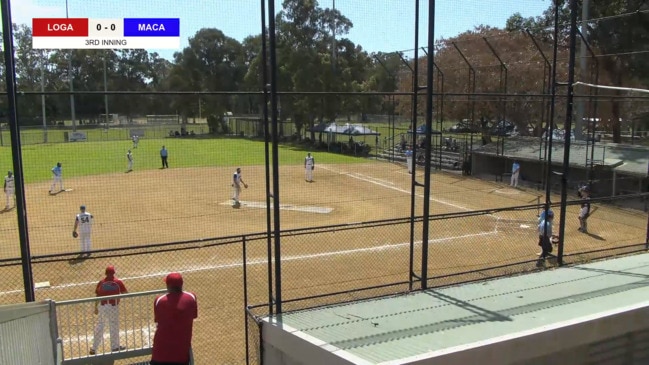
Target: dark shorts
545	243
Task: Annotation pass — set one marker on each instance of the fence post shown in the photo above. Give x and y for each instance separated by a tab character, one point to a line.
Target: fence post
568	128
16	153
245	296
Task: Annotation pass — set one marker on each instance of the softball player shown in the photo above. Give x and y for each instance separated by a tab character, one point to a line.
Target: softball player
584	193
516	170
129	157
309	165
57	177
108	310
83	222
10	189
136	140
237	181
546	236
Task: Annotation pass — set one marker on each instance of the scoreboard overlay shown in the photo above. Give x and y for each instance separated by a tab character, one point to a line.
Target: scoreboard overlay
126	33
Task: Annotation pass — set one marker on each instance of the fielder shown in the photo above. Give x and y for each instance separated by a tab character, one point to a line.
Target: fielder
83	223
409	160
129	157
108	311
10	189
584	213
516	170
57	177
309	165
237	181
136	140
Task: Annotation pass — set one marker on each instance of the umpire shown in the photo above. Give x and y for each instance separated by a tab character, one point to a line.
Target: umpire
163	155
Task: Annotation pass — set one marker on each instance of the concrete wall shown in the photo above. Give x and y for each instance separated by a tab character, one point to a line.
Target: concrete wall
614	337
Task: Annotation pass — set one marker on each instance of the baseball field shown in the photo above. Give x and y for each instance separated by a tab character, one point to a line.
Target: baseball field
191	200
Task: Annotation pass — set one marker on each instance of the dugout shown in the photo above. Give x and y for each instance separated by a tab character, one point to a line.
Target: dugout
614	169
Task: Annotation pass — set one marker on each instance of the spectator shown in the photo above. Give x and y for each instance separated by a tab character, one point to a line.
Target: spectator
174	314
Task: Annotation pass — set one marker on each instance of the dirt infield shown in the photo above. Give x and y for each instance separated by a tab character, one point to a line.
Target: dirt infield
159	206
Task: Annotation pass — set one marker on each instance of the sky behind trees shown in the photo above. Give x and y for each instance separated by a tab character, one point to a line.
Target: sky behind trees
379	25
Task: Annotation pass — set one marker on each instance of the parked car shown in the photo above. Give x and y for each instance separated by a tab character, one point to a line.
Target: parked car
503	128
463	127
560	135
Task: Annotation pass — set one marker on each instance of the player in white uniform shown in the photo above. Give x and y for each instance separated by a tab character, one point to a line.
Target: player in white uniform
129	157
237	181
83	223
57	177
10	189
136	140
309	165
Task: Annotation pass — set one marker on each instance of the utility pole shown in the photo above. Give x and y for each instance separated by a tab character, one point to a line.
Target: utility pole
105	91
583	72
43	97
72	111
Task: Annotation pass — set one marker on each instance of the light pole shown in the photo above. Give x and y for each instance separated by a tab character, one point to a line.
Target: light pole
105	91
43	96
72	111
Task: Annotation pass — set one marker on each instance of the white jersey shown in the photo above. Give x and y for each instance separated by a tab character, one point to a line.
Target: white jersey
85	222
129	156
309	161
10	183
543	229
236	179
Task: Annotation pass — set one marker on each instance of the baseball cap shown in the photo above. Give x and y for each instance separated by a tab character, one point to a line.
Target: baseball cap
83	207
550	213
174	279
110	270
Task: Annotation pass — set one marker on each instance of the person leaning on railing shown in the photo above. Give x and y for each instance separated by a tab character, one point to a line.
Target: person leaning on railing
174	315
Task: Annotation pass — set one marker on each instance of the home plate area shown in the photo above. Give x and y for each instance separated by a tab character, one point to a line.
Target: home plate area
299	208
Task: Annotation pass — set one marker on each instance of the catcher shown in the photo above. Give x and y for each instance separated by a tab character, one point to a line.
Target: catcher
546	238
237	181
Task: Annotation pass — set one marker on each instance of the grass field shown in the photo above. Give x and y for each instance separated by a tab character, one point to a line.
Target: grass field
97	158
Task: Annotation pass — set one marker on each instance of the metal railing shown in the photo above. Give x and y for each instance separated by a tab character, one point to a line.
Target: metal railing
77	324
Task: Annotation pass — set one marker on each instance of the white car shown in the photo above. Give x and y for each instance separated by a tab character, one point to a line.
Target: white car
560	135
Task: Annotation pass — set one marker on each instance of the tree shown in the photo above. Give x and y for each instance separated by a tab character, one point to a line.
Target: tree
616	31
211	62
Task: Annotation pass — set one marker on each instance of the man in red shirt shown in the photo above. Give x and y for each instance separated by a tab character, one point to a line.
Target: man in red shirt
174	314
108	310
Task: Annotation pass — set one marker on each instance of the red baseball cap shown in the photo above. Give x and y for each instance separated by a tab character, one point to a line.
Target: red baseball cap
174	279
110	270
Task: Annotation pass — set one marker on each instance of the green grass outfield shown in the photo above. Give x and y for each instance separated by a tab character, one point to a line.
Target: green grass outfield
95	158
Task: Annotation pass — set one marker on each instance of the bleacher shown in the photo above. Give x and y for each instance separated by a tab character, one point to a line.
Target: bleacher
447	159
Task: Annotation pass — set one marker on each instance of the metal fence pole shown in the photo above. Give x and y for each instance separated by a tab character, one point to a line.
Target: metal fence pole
245	297
275	147
413	129
568	127
10	70
429	127
265	86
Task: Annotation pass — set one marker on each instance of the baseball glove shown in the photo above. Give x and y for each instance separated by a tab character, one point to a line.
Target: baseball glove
75	234
245	185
